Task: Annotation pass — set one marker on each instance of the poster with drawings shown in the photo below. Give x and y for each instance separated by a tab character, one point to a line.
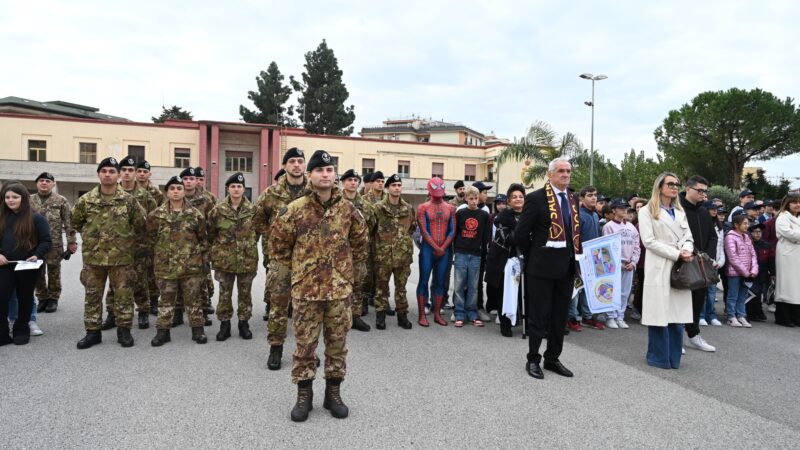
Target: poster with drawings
601	273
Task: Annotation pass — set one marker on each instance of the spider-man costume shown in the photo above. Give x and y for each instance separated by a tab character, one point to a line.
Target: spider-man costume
436	220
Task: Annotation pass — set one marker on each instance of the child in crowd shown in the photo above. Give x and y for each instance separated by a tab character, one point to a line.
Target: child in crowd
708	315
766	269
473	233
742	269
630	257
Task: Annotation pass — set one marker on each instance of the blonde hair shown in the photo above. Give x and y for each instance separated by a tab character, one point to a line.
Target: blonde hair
470	191
654	204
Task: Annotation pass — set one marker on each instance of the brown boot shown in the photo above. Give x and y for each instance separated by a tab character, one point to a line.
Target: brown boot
437	308
421	302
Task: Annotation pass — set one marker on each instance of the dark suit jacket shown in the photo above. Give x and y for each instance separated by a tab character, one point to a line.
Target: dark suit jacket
531	236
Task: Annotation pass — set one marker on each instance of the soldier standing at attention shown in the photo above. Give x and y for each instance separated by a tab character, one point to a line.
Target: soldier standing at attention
320	242
234	255
111	222
200	185
277	296
395	250
376	193
56	210
367	179
143	181
350	181
179	231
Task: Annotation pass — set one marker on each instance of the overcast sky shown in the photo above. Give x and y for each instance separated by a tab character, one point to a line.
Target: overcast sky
493	66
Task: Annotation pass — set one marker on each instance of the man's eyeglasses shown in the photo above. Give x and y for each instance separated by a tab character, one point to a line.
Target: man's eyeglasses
700	191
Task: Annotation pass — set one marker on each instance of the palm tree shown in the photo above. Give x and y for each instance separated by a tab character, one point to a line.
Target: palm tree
540	146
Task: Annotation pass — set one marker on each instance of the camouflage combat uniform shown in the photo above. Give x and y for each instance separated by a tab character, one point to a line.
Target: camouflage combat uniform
180	240
372	275
111	229
153	190
368	211
269	203
394	250
316	249
152	288
234	255
204	204
56	210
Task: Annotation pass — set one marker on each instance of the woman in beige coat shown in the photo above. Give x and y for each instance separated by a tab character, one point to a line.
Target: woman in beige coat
666	235
787	260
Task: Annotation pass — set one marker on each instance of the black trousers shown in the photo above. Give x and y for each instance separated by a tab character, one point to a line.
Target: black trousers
23	282
638	290
547	305
698	300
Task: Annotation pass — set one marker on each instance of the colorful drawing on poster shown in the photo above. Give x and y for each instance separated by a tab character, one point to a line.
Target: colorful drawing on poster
604	291
603	261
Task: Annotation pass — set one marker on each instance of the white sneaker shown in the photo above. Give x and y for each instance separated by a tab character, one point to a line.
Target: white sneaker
699	343
35	330
703	323
453	317
733	322
621	323
484	316
716	323
612	323
771	308
497	319
683	350
744	322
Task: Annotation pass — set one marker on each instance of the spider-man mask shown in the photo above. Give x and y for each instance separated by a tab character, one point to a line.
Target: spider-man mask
436	187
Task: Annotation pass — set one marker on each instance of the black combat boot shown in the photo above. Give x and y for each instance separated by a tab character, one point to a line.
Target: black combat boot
124	337
154	306
42	305
208	309
224	330
380	320
161	338
266	313
333	399
177	318
52	306
206	320
402	321
110	322
359	324
364	307
305	400
275	355
199	334
390	311
144	320
244	330
91	338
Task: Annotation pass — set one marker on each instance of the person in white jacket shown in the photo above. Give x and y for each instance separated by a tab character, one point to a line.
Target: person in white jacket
787	260
708	315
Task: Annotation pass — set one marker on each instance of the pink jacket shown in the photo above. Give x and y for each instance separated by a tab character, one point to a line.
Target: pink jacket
741	256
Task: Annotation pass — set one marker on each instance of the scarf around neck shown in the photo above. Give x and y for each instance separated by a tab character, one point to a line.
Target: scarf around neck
557	238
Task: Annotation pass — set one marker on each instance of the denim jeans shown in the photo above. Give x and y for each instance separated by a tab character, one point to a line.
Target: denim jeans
579	307
709	311
467	270
664	346
737	296
13	308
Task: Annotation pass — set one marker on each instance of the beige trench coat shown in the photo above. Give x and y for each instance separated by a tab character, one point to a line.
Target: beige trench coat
787	259
664	239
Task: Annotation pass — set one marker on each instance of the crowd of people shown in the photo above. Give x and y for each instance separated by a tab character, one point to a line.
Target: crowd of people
333	242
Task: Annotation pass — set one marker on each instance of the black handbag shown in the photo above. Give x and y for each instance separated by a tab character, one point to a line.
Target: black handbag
699	273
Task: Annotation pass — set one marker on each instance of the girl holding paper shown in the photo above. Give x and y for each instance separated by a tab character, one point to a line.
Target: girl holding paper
25	237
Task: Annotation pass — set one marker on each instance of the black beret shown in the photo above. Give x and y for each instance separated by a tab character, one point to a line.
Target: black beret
293	152
108	162
200	172
320	158
278	175
143	165
459	184
393	179
46	176
173	180
234	179
367	177
351	173
127	161
188	172
377	176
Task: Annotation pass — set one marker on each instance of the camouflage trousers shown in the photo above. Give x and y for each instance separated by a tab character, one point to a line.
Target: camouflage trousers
205	293
333	319
244	283
120	279
152	284
141	291
369	283
48	283
209	288
193	287
401	273
280	286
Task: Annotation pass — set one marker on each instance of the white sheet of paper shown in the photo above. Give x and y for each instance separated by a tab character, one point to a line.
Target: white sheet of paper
28	265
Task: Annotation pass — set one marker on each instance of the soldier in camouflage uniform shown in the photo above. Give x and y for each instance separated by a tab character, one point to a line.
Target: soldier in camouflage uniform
377	193
143	254
200	185
350	181
288	188
233	239
394	249
374	195
179	231
111	223
318	245
143	181
56	210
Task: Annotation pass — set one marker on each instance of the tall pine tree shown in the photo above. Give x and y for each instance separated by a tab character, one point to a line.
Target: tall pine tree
269	100
175	112
322	95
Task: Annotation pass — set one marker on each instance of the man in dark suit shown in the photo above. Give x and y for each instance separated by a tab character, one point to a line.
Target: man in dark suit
548	236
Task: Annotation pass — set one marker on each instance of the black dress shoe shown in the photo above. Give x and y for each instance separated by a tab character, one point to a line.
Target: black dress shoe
534	370
557	367
40	308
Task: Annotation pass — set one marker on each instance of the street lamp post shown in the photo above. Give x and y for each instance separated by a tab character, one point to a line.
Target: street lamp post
588	76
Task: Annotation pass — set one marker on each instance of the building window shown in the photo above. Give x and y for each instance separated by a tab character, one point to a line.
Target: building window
490	172
367	166
87	153
469	172
437	170
248	192
136	152
335	161
183	157
37	150
404	169
238	162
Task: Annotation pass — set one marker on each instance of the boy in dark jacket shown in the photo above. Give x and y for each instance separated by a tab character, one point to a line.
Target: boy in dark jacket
766	270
